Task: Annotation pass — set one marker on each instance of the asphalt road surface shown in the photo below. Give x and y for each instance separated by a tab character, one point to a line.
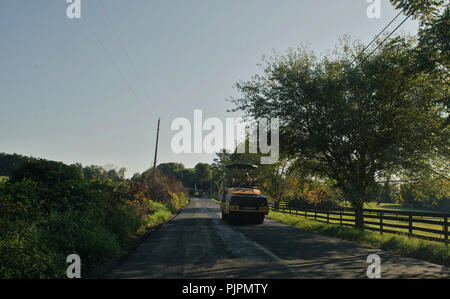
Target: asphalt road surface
198	244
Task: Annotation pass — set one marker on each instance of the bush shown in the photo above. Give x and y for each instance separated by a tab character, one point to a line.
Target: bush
49	210
315	199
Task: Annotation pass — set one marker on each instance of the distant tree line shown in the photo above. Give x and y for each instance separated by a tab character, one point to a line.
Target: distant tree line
10	162
200	176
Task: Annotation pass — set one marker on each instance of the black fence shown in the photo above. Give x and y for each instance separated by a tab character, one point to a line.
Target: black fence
429	226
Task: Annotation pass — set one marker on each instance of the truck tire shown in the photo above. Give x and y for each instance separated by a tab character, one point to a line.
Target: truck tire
260	219
224	216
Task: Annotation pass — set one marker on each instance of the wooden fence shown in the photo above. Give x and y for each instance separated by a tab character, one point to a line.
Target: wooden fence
429	226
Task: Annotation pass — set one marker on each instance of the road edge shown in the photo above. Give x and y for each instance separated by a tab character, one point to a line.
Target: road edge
100	271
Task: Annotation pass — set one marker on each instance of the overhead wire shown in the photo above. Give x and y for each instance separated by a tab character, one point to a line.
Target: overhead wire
376	37
388	36
114	63
124	49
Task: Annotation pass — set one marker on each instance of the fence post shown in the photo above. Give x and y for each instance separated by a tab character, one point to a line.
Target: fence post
381	222
306	212
362	217
315	214
446	230
340	215
410	224
328	216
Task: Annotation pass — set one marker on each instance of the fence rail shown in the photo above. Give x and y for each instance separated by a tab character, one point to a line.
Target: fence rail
429	226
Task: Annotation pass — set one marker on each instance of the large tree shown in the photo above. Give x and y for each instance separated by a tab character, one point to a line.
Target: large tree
432	53
171	169
353	123
203	176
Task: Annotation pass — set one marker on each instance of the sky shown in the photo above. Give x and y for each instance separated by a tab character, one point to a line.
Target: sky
91	90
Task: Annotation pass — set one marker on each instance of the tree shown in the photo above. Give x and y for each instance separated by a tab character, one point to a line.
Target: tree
203	175
94	171
188	177
136	177
171	169
122	172
113	175
433	50
9	163
353	123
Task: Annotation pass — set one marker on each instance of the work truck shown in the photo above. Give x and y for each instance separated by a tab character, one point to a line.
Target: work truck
241	199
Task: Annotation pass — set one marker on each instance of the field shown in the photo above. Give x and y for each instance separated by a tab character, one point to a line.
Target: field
394	207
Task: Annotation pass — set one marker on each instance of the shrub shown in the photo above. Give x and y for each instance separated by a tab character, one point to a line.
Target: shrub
49	210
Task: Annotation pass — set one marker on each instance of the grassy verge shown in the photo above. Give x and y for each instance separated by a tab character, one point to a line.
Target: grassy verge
159	213
403	220
434	252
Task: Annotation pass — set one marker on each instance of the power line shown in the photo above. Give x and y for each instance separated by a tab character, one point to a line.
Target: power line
123	77
389	35
122	45
375	38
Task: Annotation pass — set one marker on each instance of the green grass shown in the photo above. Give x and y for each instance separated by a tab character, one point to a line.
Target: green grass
404	221
159	214
395	207
434	252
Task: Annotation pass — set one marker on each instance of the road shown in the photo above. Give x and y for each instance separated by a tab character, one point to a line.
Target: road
197	244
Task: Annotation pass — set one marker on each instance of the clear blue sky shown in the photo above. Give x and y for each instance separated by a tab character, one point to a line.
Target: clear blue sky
61	97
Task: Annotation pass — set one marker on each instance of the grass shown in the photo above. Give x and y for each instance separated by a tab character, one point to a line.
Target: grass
434	252
404	220
395	207
159	214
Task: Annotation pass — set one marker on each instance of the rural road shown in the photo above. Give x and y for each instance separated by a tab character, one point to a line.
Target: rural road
197	244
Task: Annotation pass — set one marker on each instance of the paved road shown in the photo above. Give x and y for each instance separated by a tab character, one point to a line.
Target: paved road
197	244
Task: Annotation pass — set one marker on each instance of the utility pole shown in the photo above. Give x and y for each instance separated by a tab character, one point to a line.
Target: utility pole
156	148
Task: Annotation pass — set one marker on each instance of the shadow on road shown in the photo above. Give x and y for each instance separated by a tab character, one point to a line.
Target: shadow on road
198	244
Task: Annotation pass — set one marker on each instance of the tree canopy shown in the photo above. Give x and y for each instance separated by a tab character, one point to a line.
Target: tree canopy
353	123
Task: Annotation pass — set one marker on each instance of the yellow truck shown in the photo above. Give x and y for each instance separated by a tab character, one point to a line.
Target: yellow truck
243	201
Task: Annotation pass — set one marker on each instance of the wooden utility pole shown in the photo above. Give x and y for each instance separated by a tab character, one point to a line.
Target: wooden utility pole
156	148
